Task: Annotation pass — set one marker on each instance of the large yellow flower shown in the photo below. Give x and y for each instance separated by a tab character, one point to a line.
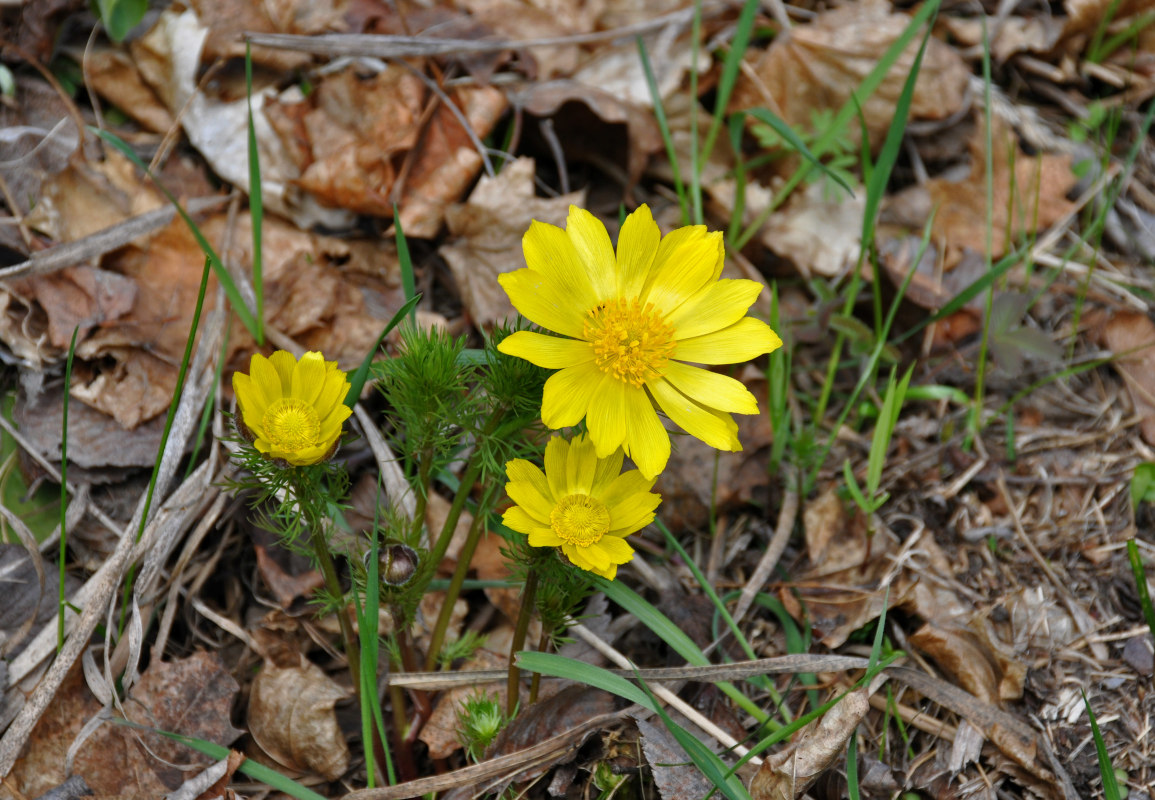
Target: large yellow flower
631	321
293	410
583	504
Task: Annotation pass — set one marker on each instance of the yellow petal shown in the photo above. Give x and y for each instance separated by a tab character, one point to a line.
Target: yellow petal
332	423
623	487
582	556
581	466
529	498
567	395
593	248
637	245
517	519
607	414
550	252
265	375
647	442
544	537
608	470
720	304
745	339
685	263
284	361
714	428
521	471
616	549
333	392
550	352
543	303
309	378
250	400
634	513
710	389
556	456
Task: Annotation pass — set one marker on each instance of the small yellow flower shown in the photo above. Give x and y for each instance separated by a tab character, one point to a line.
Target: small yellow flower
631	321
293	410
583	504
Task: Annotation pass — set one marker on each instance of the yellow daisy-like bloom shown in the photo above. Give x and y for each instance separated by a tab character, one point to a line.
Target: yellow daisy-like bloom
582	503
293	410
631	321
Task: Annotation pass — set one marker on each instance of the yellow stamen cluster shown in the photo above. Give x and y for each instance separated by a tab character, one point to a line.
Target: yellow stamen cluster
630	341
580	520
291	424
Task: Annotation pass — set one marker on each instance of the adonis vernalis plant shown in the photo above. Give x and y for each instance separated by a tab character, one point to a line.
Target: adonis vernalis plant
631	327
583	504
292	410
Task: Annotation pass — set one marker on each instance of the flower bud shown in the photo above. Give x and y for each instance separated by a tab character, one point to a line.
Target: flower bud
398	564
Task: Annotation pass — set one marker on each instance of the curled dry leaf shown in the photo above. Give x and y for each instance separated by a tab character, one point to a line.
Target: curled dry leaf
292	719
787	775
817	66
551	717
487	231
675	774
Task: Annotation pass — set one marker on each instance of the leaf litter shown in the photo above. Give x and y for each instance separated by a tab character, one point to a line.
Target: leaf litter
999	556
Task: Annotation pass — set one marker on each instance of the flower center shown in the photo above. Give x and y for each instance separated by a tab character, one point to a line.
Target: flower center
291	425
631	342
579	519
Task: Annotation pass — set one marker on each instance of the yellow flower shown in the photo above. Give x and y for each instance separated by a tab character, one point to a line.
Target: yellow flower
582	503
631	321
293	410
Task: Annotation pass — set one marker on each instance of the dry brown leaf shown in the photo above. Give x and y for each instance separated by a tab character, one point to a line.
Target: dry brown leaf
1130	335
232	19
291	718
787	775
487	232
113	74
191	696
440	733
815	67
820	230
546	718
1033	198
580	136
961	657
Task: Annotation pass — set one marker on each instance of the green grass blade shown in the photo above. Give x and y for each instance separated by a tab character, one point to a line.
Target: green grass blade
223	276
256	199
358	378
664	128
408	281
253	769
1141	583
730	67
1106	769
794	140
64	490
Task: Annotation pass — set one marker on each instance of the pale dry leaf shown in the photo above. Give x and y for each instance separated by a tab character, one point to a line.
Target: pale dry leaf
675	774
787	775
958	654
486	233
112	73
817	66
819	230
292	719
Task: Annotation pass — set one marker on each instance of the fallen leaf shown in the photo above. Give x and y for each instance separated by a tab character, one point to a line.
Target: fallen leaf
1130	335
440	733
787	775
292	719
111	73
674	772
486	236
551	717
817	66
957	654
191	696
580	135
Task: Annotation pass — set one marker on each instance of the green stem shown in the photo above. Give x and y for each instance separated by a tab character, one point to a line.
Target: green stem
464	560
332	584
422	494
535	681
513	683
472	472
